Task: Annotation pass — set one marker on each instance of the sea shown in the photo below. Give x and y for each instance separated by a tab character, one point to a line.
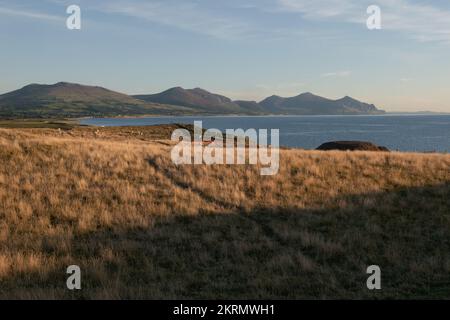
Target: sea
398	132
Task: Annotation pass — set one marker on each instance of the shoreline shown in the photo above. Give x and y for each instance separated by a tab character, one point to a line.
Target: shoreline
160	132
265	116
305	143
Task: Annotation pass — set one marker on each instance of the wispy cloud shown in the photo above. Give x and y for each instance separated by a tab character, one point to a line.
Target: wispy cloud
230	20
339	74
423	22
29	14
185	15
191	16
322	9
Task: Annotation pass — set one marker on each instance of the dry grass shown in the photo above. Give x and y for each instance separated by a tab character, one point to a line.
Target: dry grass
112	202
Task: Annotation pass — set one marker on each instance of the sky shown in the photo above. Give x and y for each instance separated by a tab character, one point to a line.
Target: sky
244	49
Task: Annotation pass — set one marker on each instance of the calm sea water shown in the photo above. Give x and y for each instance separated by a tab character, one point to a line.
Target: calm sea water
397	132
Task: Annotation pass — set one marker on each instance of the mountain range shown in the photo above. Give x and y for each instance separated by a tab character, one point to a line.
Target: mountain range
65	99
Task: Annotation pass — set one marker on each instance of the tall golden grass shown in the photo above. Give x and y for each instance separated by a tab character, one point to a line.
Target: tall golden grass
112	202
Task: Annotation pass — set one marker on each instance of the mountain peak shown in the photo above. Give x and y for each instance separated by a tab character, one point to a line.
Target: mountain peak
200	91
310	95
309	103
347	98
72	99
196	98
65	99
176	89
67	84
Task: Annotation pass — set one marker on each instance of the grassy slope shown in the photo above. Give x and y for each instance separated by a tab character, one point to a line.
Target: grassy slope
40	123
73	100
112	202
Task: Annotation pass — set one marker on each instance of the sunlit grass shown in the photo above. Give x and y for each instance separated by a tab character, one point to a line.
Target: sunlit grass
112	202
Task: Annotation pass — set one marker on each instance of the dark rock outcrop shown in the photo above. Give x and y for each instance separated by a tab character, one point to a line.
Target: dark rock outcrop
351	146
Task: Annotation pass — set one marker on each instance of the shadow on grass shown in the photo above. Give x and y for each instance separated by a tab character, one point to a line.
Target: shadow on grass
276	253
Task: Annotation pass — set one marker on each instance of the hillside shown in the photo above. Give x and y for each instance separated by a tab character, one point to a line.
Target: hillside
70	100
73	100
252	107
111	201
310	104
198	99
304	104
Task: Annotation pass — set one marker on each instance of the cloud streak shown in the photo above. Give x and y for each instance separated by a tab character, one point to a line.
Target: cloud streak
29	14
185	15
339	74
267	19
423	22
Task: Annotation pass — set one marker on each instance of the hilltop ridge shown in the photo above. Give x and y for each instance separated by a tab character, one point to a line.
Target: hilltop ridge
64	99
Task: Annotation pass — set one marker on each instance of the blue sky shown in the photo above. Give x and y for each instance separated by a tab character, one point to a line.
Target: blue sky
246	49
